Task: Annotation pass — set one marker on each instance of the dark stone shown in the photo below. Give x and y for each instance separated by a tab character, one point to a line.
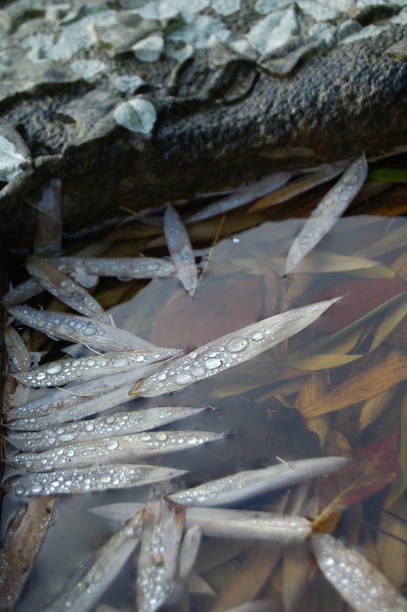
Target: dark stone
224	127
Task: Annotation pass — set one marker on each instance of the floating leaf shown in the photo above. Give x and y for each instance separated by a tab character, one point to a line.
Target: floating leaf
63	371
224	522
20	547
64	288
180	249
243	485
327	212
230	350
120	267
88	479
102	427
372	468
163	526
77	401
87	586
359	582
97	335
375	379
17	350
112	448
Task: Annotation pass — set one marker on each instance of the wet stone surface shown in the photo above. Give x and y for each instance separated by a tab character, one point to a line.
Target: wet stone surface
158	93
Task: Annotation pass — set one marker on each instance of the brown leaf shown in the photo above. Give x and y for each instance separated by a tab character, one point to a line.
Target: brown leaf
367	383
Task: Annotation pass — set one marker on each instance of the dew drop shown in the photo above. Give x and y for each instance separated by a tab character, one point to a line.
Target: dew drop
90	362
237	344
140	358
257	336
198	371
161	436
36	487
119	363
112	444
54	369
183	379
90	331
106	478
213	363
89	426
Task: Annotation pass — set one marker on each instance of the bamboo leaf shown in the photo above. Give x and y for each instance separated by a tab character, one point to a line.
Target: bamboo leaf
180	248
372	468
323	362
230	350
393	316
367	383
327	212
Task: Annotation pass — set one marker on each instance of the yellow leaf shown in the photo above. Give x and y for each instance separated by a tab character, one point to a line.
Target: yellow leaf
390	320
323	361
374	407
368	383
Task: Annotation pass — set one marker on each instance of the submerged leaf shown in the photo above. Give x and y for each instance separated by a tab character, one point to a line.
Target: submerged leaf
180	249
359	582
327	212
88	479
367	383
64	288
48	234
63	371
372	468
230	350
87	586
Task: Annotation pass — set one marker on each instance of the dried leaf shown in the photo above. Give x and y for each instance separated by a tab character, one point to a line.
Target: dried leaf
374	407
372	468
319	262
387	243
400	484
48	234
391	544
230	350
63	371
88	585
163	525
20	547
243	485
392	317
179	246
120	267
327	212
88	479
102	427
64	288
112	448
303	184
367	383
17	350
359	582
322	362
244	195
97	335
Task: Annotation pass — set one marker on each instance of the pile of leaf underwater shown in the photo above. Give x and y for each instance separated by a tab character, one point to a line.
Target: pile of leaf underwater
267	421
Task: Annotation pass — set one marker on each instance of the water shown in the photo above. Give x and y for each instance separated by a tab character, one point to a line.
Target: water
261	404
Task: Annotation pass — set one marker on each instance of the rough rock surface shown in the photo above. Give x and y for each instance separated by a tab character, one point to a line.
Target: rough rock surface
133	103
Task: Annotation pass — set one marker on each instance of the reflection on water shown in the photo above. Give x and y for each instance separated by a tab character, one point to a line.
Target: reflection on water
271	407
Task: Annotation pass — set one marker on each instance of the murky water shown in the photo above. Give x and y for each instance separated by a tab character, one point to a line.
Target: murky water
264	405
